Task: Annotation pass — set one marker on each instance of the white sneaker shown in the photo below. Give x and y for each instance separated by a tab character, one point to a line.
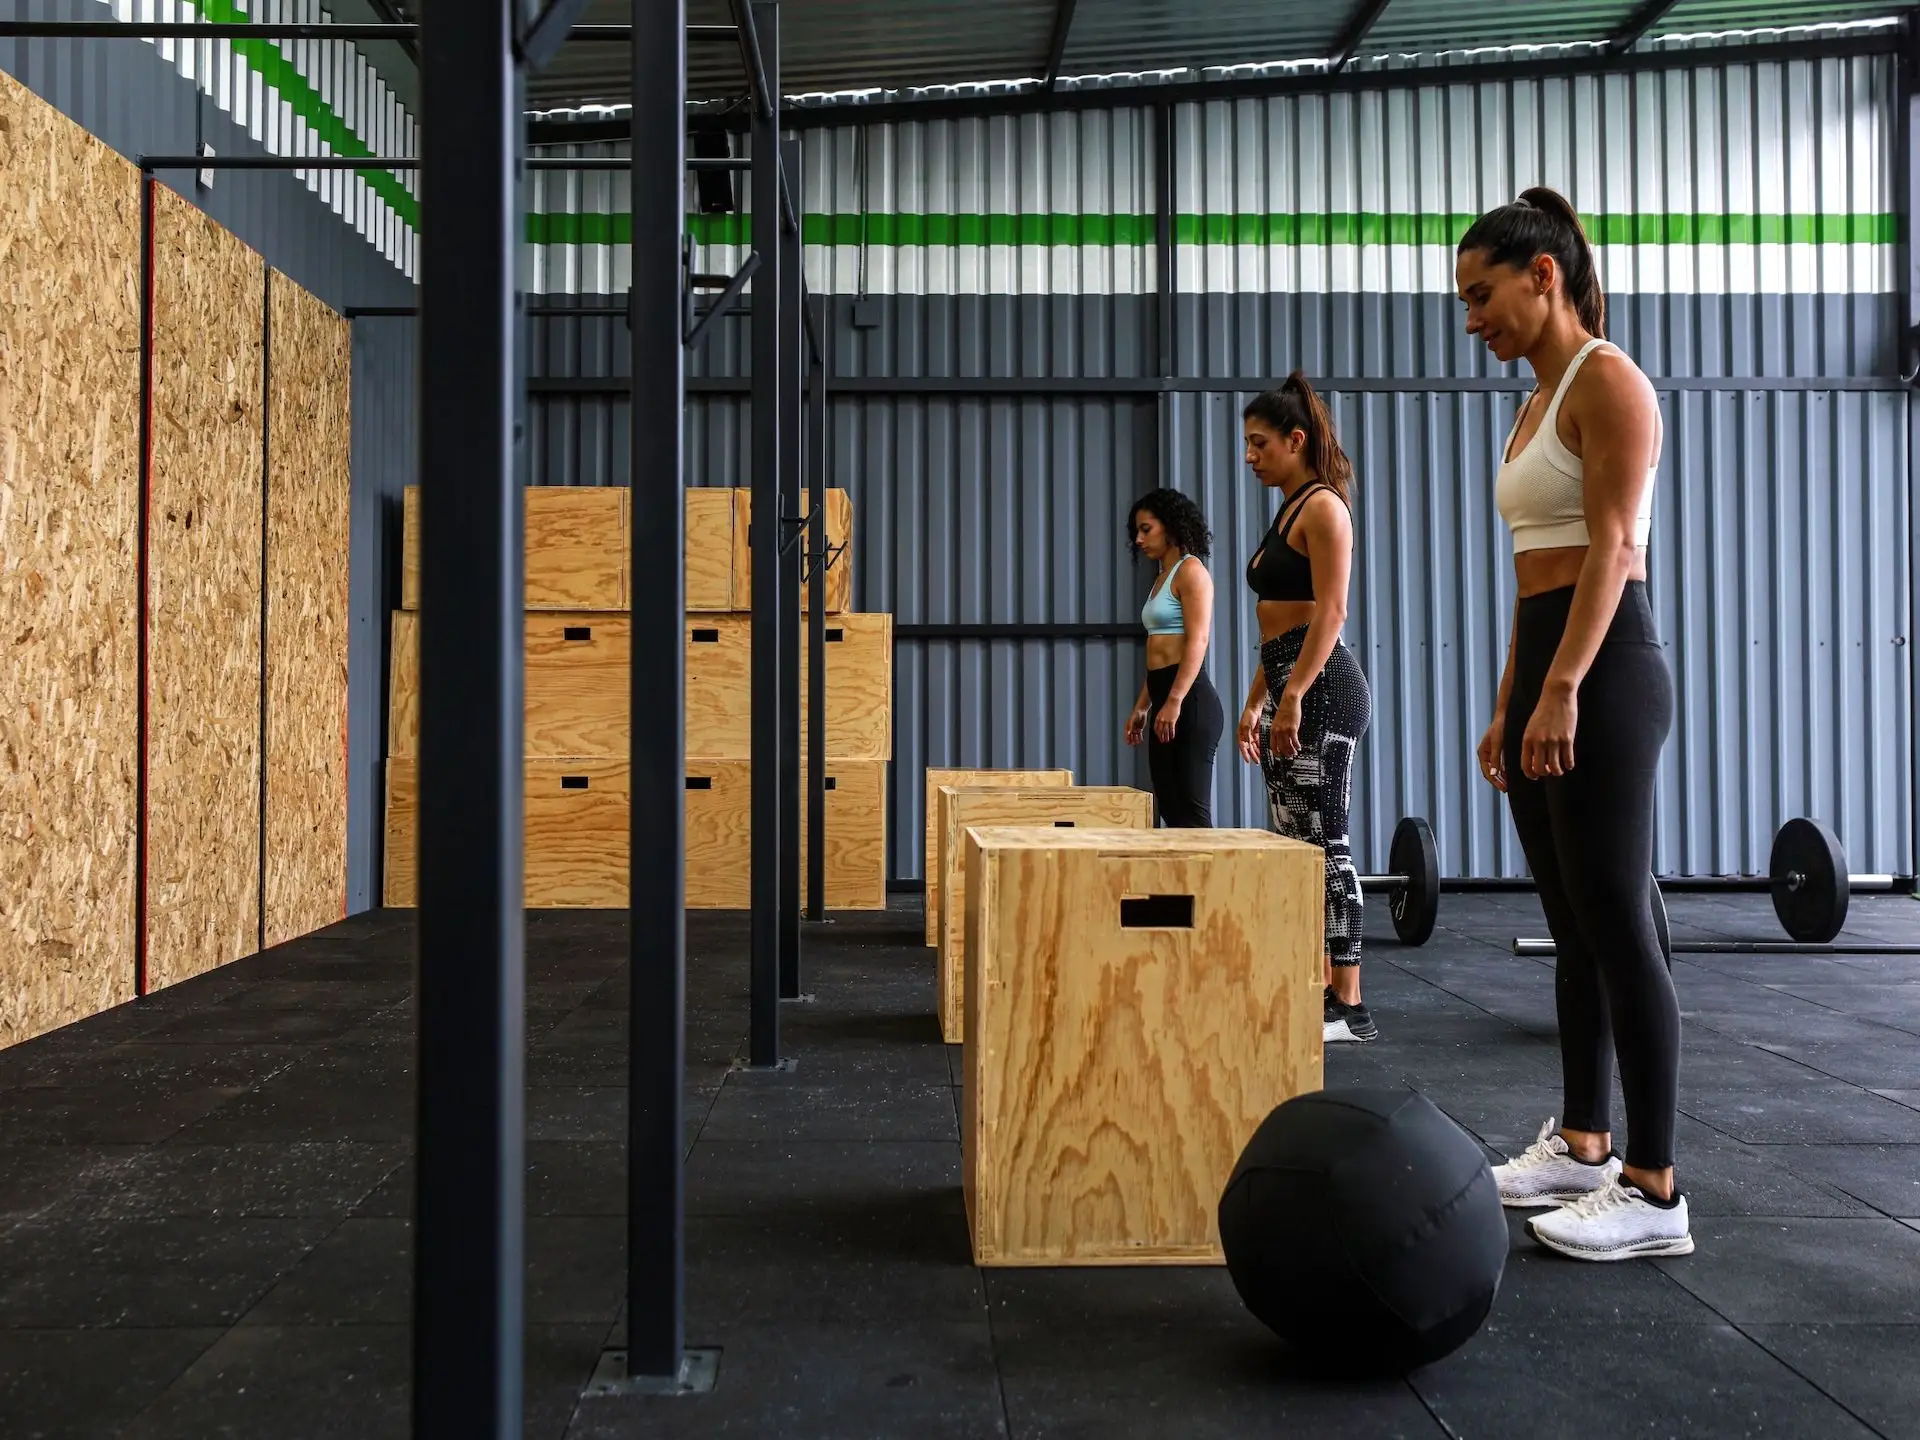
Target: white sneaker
1617	1222
1548	1174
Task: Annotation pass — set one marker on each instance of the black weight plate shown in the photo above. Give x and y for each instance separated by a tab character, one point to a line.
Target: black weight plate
1814	909
1415	906
1660	921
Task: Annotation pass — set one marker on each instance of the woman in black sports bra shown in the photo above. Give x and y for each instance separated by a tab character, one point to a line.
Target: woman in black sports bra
1309	703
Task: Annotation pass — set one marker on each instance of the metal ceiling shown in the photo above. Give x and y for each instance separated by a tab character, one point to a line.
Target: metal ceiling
833	46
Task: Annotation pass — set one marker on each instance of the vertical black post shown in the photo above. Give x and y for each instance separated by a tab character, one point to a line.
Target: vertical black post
1163	240
817	622
793	362
467	1237
764	218
657	859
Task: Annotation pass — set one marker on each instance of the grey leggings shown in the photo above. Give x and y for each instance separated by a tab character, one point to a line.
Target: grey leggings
1308	794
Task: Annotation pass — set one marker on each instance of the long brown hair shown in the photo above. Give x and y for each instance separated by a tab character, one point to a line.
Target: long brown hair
1543	222
1292	405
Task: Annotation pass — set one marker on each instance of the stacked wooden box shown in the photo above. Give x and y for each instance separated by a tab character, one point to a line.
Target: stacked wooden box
578	646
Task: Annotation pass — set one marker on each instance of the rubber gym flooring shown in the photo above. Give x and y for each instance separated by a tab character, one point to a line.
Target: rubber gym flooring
204	1200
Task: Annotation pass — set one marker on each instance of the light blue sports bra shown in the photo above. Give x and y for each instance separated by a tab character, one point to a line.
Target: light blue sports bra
1162	614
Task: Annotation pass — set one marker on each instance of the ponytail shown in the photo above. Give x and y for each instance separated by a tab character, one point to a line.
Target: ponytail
1543	222
1294	406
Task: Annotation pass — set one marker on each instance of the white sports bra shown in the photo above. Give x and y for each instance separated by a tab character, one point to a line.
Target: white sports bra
1539	491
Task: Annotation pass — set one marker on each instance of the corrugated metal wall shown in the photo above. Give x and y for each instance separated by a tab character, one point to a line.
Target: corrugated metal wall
1746	217
139	102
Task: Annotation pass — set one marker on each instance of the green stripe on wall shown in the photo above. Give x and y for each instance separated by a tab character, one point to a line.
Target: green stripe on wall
290	85
1357	228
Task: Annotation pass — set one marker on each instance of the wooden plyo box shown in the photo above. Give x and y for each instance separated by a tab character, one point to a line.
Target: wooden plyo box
1055	808
839	506
576	557
710	548
577	690
938	775
719	837
859	649
576	833
1137	1003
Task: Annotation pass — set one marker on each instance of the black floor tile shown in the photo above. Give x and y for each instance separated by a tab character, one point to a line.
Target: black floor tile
361	993
245	1025
1634	1377
57	1384
1867	1368
568	1113
257	1179
66	1271
1815	1272
1813	1111
1887	1177
1541	1288
109	1113
1886	1059
345	1382
767	1109
34	1178
360	1274
1723	1177
1217	1377
905	1263
363	1098
930	1381
801	1177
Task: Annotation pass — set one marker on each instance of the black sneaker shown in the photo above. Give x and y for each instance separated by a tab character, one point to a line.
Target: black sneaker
1347	1024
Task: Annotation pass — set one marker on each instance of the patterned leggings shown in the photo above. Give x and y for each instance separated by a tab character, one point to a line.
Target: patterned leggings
1308	794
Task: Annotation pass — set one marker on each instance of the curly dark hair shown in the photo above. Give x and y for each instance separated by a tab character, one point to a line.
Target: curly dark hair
1178	516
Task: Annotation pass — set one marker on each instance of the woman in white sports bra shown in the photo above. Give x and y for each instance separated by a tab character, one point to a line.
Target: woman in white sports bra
1583	710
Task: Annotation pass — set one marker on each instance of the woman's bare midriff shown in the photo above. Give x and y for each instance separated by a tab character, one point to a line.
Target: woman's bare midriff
1277	617
1165	650
1537	571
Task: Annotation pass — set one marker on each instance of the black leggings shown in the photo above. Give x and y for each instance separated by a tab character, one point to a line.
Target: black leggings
1588	836
1182	768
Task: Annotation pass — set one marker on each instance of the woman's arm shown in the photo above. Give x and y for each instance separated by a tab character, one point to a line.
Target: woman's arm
1329	532
1616	420
1194	588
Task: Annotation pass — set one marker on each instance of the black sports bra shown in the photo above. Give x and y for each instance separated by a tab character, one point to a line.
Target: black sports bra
1277	570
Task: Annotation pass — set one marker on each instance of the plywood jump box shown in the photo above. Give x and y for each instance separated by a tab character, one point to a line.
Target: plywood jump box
1137	1002
937	776
578	654
1056	807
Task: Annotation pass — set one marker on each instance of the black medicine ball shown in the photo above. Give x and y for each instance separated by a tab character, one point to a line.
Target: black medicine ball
1364	1228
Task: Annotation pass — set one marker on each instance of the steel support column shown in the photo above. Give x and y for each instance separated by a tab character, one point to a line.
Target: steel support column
467	1235
793	364
818	561
657	858
769	343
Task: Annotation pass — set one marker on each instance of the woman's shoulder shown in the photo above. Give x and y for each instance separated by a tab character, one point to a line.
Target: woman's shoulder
1610	377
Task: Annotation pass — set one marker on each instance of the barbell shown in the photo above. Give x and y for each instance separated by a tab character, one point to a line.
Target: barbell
1810	885
1414	881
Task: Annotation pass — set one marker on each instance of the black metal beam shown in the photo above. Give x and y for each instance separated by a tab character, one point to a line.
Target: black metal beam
1351	38
792	311
819	562
1017	630
198	30
656	855
543	38
1057	46
1165	255
1638	24
768	347
1045	387
468	1245
1034	101
698	332
753	55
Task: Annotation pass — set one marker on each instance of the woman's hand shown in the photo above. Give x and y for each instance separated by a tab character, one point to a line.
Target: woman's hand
1284	737
1168	718
1248	736
1493	752
1546	748
1137	723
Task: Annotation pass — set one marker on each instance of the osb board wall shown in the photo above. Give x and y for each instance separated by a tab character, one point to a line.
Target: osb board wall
308	529
69	512
204	643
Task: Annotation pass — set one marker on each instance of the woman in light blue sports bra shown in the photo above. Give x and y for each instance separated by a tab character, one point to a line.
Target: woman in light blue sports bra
1178	713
